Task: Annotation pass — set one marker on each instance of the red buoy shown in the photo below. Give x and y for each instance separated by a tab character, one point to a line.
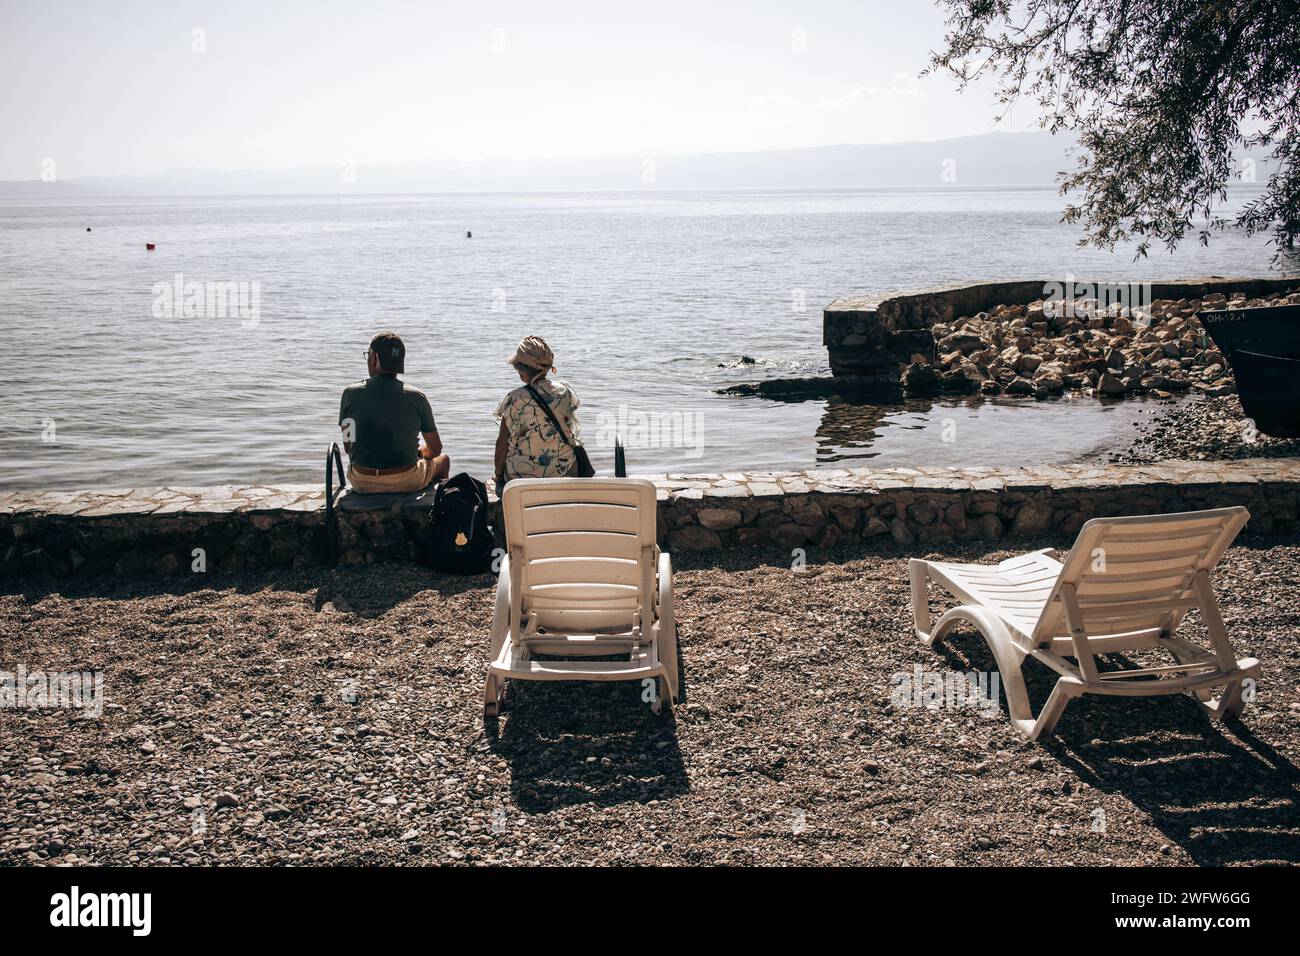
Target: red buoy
149	246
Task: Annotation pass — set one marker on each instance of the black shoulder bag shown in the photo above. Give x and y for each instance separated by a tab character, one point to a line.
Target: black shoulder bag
581	463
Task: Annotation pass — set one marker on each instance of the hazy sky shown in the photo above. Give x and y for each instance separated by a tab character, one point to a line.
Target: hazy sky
125	87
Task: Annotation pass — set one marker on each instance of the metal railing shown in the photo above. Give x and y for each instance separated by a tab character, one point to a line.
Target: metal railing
335	458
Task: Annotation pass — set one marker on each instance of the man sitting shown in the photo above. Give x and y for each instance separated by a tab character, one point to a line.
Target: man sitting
382	420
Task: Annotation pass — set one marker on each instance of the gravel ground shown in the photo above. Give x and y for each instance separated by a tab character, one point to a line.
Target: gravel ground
336	718
1203	429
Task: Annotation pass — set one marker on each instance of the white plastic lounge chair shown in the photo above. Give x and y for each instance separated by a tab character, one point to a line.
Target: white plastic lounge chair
1126	584
583	577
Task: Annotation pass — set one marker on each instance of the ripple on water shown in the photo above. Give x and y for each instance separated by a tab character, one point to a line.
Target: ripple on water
642	295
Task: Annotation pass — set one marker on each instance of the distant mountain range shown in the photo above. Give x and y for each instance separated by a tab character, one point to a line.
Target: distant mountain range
990	159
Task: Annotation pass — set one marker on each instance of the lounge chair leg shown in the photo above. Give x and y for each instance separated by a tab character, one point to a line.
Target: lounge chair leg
1009	659
1013	685
668	658
492	696
1230	703
916	573
1051	711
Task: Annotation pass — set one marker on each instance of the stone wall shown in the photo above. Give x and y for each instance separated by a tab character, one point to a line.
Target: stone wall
867	338
166	530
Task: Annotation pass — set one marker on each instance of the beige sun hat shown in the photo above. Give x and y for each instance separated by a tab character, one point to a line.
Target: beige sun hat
534	353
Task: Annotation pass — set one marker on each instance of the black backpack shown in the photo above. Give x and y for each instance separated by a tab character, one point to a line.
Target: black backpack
459	539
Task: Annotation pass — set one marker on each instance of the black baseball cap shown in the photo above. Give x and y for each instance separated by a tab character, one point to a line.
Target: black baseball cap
391	351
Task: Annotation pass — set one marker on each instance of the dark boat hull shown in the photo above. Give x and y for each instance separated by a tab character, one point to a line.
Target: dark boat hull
1269	389
1263	347
1269	330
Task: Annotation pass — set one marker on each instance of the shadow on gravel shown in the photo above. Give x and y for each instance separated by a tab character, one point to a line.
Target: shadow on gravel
1216	790
815	559
571	743
375	589
354	589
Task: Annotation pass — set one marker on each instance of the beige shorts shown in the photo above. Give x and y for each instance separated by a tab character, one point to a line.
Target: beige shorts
404	482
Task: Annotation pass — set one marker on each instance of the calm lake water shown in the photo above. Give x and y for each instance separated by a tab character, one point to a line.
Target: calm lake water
649	300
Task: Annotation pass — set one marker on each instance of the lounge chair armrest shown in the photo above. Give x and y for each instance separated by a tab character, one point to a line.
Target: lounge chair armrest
501	615
664	585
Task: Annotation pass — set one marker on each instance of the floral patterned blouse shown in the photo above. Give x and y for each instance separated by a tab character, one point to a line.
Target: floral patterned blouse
535	448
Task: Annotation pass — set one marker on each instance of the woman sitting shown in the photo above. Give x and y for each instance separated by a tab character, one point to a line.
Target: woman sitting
528	444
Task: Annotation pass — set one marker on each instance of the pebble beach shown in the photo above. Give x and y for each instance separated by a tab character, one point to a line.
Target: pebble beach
336	718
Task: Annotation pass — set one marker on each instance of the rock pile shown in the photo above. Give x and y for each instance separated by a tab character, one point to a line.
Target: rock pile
1046	348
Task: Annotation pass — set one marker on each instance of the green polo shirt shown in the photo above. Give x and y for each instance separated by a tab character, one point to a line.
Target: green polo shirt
387	416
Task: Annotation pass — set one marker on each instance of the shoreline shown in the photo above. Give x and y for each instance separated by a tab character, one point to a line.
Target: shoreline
1203	428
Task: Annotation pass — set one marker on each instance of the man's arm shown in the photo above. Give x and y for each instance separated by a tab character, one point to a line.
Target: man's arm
428	427
432	444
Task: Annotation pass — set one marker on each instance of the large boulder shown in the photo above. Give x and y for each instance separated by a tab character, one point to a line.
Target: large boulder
693	538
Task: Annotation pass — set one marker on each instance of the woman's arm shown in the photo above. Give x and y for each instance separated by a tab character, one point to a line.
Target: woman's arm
503	443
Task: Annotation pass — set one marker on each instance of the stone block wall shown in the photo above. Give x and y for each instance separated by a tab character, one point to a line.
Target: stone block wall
928	506
167	530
